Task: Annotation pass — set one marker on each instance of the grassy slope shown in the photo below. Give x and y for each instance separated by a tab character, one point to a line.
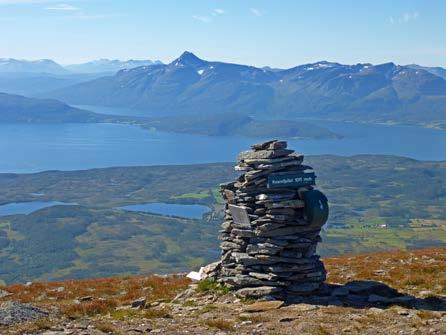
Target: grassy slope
93	240
417	273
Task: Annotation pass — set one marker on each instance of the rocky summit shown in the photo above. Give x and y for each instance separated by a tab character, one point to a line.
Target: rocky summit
388	293
273	217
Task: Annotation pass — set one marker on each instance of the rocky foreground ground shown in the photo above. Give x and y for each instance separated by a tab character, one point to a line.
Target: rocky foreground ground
361	300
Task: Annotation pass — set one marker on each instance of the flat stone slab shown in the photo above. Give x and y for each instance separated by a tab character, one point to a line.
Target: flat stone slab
257	292
273	144
264	154
301	308
262	306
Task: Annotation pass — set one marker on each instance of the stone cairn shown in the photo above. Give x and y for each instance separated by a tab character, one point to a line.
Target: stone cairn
273	217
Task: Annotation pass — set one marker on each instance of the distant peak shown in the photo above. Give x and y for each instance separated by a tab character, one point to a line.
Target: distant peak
188	55
386	65
386	68
188	59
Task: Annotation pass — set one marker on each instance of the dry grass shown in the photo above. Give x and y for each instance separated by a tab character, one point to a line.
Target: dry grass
123	289
106	293
425	315
151	313
255	318
154	313
36	326
220	324
90	308
320	330
407	271
106	327
125	314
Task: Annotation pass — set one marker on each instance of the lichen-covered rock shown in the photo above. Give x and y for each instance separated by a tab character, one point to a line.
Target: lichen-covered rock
12	313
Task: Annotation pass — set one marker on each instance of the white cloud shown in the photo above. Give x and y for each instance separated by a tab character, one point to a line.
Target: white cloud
404	18
256	12
218	11
209	17
63	7
201	18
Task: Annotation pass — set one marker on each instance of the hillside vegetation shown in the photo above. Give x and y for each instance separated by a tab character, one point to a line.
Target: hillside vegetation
19	109
377	203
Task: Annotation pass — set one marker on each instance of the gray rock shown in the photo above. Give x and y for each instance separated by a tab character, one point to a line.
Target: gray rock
248	281
285	204
4	293
284	231
211	270
229	272
12	313
229	246
247	260
264	154
291	253
243	232
273	144
312	276
264	276
264	145
139	303
276	196
257	292
296	162
305	266
86	298
264	228
263	248
303	288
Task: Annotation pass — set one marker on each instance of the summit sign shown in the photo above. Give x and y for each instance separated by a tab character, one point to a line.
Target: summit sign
295	179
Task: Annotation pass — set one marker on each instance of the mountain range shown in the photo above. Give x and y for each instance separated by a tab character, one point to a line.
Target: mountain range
48	66
10	65
360	92
384	93
31	84
108	65
438	71
33	77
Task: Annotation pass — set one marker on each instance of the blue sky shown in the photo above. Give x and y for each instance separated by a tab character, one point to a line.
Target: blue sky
280	33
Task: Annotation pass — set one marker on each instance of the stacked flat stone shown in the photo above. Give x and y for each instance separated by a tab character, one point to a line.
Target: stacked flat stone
273	255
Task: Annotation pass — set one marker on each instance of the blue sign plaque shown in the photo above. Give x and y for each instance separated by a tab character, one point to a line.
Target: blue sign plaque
291	179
